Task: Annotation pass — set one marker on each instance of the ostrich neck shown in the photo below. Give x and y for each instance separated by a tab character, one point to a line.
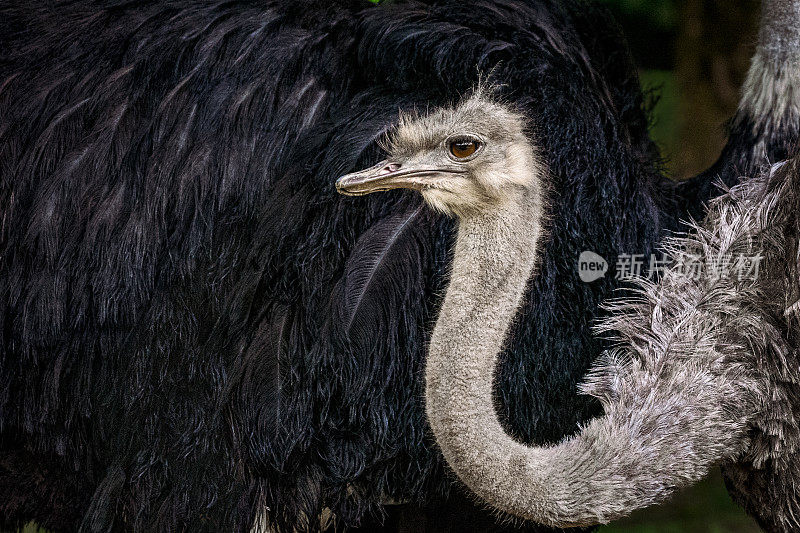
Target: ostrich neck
770	92
779	35
659	432
494	258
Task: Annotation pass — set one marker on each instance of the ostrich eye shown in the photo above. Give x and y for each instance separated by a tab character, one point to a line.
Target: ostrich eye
463	148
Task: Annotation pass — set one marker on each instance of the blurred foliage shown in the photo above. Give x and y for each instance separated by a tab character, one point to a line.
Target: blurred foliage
664	130
703	508
660	13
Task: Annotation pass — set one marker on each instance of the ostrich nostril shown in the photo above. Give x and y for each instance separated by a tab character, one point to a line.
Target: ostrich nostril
391	167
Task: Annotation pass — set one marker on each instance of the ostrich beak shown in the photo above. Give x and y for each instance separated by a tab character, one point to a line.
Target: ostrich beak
387	175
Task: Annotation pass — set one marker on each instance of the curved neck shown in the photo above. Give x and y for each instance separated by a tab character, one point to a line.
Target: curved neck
494	258
659	431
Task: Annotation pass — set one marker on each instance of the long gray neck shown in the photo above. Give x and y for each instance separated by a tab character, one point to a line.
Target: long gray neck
779	35
494	258
771	92
660	431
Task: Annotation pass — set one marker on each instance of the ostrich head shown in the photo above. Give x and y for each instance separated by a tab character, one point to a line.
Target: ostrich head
464	160
473	161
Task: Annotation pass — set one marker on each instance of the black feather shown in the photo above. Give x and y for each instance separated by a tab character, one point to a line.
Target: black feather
171	241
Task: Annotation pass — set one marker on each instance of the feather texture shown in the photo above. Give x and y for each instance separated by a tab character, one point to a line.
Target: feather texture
385	243
167	203
707	365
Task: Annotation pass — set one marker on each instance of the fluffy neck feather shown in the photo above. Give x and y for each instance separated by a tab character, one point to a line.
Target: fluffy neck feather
678	408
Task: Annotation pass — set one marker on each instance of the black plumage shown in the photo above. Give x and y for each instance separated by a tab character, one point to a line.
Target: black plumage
173	250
